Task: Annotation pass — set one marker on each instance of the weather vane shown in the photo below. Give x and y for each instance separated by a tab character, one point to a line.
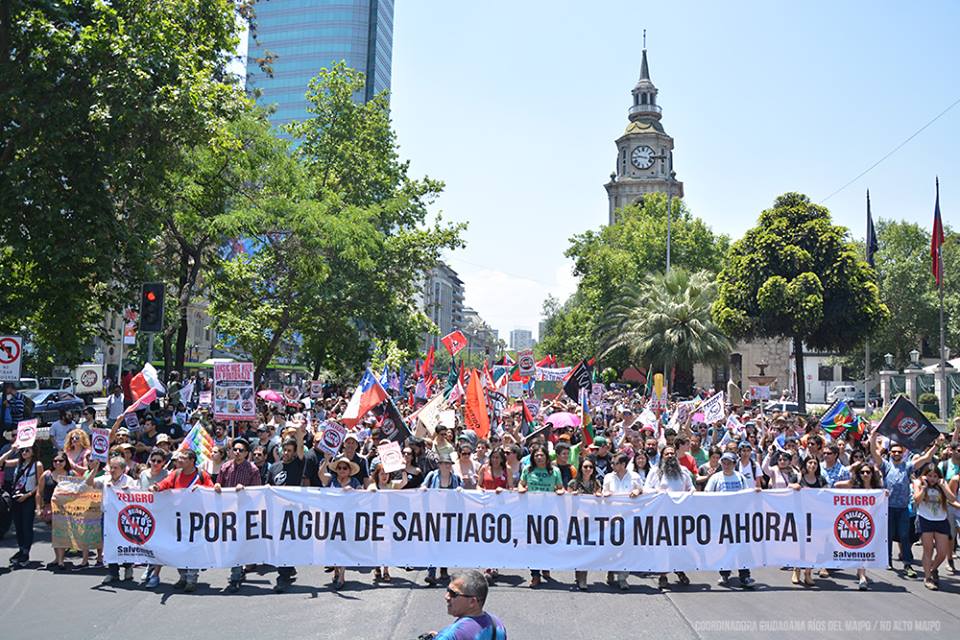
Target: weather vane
644	38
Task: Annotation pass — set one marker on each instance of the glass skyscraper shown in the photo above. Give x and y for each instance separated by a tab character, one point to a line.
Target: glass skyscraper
308	35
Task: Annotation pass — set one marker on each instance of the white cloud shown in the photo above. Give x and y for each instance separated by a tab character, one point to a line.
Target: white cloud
507	301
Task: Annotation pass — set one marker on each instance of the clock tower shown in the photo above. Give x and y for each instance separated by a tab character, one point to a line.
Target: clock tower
644	151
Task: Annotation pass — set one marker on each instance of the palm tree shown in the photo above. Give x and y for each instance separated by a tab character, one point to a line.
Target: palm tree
664	320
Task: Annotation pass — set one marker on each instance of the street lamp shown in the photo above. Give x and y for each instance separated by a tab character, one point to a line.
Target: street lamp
888	359
914	357
670	182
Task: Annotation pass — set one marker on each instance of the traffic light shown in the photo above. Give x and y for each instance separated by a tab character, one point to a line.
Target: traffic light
151	307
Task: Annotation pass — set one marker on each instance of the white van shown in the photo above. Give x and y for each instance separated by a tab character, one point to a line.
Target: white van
842	392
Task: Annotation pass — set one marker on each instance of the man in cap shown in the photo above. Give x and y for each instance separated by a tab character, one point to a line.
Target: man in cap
602	459
237	473
728	479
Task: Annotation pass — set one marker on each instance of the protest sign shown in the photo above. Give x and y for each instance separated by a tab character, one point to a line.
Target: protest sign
428	417
713	409
391	457
316	389
99	444
233	391
526	365
332	437
760	392
547	389
205	398
596	393
76	522
657	532
291	393
131	422
557	373
533	406
26	433
906	425
515	389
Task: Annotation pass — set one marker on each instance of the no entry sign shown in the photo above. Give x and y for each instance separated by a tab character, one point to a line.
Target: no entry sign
11	352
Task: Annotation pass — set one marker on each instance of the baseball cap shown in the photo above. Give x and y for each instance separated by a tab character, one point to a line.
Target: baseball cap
744	444
728	456
600	441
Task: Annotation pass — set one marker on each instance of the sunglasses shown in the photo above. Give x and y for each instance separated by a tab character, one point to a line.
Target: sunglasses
239	449
343	467
588	466
866	472
457	594
60	460
156	461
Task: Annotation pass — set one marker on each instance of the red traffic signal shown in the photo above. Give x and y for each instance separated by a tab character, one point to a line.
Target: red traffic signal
151	307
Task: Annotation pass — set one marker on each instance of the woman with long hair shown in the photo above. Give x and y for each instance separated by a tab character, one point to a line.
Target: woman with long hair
641	464
494	476
48	483
540	476
932	496
587	484
77	448
863	475
26	476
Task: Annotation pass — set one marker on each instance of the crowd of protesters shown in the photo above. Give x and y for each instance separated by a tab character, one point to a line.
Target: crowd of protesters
636	449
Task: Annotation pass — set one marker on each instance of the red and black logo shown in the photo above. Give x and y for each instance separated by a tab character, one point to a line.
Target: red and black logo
854	528
136	524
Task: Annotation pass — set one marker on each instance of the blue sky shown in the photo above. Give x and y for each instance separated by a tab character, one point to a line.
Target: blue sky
516	106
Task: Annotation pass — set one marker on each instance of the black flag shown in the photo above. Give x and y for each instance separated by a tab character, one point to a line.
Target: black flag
872	245
579	378
906	425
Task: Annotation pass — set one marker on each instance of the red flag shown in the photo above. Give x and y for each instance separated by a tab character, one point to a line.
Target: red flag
475	411
454	342
427	370
936	241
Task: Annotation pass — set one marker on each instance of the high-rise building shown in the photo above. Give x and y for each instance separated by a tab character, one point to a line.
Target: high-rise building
305	36
442	301
644	151
521	339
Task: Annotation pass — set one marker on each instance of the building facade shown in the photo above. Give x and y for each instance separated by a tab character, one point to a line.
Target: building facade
304	36
442	302
482	339
521	339
644	152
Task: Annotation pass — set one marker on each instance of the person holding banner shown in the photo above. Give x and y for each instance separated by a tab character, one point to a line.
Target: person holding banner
620	482
932	497
726	480
117	478
863	475
50	479
28	471
236	473
188	476
441	478
77	449
288	472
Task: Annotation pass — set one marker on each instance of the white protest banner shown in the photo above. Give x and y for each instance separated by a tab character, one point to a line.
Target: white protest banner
839	529
545	373
132	422
99	444
11	354
332	437
713	409
26	433
233	391
428	417
391	457
526	365
515	389
205	398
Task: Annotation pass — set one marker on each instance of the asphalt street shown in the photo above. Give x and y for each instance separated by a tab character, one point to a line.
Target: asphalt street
37	602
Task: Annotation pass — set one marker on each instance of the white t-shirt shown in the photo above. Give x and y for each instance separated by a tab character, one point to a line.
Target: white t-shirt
618	486
59	431
657	481
750	472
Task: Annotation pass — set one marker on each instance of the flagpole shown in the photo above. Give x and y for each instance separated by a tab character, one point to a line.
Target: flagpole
866	344
943	364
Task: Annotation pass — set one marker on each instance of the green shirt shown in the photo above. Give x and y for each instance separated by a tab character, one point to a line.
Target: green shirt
541	480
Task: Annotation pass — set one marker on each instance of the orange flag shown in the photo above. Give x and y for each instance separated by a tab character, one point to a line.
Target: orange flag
475	411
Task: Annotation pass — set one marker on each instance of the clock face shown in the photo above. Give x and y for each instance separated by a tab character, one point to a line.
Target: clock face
642	157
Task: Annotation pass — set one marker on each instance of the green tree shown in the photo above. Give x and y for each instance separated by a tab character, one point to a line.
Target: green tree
96	101
617	256
338	265
797	275
664	323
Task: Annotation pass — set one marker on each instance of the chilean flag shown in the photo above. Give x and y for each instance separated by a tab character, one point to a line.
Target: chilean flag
368	394
454	342
936	241
145	381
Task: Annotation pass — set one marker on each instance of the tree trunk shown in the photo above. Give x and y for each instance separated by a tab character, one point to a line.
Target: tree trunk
801	377
167	354
267	355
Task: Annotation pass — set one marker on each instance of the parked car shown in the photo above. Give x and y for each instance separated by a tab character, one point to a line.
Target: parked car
56	384
48	404
27	384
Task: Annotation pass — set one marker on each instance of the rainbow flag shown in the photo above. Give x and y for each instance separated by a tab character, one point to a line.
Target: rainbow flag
200	442
840	419
586	424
